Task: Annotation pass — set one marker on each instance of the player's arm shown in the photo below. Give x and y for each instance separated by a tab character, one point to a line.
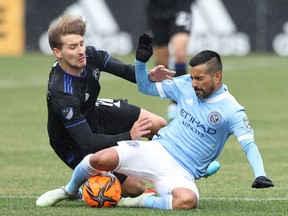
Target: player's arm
80	131
109	64
92	142
68	108
143	82
255	161
120	69
245	136
127	71
148	83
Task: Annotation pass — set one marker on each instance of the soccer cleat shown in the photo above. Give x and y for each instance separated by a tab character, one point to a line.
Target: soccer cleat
212	168
79	196
136	201
52	197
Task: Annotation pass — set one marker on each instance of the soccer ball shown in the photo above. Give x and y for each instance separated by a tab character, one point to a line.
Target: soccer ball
103	190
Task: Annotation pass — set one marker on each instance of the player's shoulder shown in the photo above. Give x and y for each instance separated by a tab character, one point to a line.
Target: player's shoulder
183	80
96	54
225	99
95	50
232	100
56	80
179	81
229	98
230	104
56	74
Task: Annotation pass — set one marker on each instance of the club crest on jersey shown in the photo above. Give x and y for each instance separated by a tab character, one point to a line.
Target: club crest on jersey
214	118
246	122
133	143
67	113
96	74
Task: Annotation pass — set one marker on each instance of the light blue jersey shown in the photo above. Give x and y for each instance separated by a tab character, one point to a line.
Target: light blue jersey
197	135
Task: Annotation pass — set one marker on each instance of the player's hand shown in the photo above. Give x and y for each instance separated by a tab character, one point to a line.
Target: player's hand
159	73
141	128
144	49
262	182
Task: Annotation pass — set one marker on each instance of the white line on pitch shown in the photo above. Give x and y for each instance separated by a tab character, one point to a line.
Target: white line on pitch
204	198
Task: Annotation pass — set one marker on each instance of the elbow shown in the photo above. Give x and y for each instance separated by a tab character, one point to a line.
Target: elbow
140	86
141	89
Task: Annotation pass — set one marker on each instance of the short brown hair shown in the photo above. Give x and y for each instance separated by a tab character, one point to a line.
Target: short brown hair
66	24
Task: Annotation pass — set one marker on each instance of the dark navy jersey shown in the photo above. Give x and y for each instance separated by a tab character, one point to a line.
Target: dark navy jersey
72	113
160	9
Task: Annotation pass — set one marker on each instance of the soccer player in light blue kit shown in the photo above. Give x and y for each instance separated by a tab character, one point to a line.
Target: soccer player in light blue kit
181	152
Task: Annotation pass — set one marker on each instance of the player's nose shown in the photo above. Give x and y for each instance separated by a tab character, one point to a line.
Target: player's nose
194	83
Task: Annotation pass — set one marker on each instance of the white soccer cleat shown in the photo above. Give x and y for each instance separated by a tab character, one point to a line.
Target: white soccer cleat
52	197
136	201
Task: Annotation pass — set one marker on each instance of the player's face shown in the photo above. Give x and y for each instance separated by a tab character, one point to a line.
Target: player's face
203	83
72	57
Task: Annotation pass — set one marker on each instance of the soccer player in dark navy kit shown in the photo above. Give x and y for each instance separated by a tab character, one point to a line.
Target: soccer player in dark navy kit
78	123
170	22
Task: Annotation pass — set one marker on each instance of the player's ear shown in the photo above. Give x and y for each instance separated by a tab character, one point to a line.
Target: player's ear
57	53
218	76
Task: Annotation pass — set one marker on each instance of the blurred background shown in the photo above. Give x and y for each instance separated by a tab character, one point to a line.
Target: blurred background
229	27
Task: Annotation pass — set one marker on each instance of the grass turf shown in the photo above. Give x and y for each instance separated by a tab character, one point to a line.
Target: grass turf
29	166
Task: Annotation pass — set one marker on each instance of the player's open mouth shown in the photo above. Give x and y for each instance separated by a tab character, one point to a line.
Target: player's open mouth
81	59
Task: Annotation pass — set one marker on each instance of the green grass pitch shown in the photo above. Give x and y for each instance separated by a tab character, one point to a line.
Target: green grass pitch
29	167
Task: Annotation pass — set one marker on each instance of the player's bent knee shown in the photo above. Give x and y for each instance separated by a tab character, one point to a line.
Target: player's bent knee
105	160
184	199
186	202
